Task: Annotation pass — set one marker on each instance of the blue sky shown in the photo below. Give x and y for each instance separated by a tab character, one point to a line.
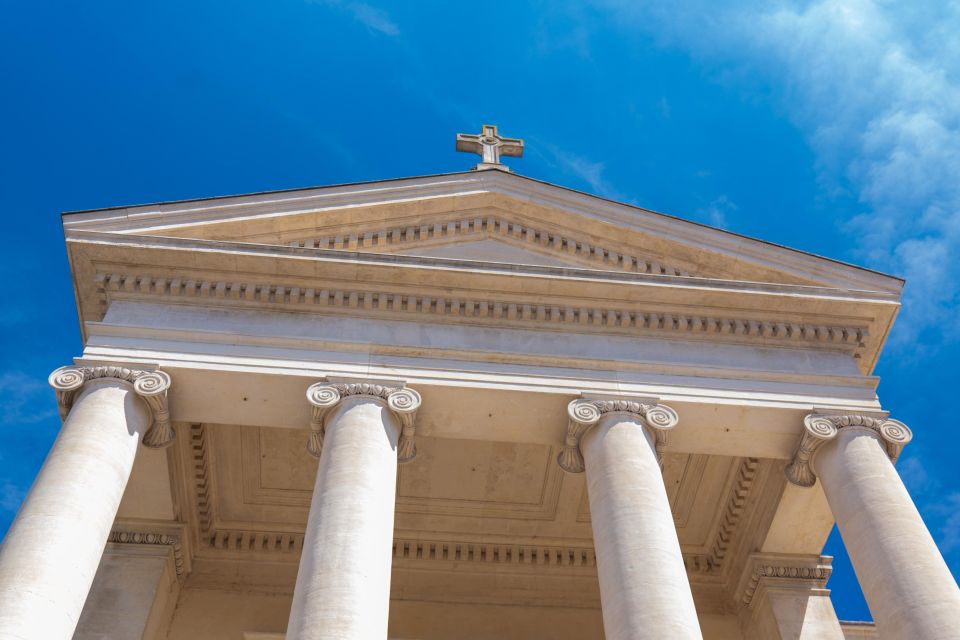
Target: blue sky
828	126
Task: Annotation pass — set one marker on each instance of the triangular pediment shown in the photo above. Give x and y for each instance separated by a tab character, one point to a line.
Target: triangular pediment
490	250
483	216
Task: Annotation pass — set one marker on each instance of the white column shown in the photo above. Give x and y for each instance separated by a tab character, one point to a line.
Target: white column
644	589
343	585
905	580
52	551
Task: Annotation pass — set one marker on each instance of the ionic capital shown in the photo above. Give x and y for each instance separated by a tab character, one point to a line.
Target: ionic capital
403	402
584	413
150	385
820	428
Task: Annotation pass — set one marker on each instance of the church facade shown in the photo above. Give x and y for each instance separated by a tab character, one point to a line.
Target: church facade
462	407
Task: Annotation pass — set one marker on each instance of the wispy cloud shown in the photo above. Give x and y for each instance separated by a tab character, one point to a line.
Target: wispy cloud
949	528
11	496
589	171
875	87
940	506
372	17
717	211
24	400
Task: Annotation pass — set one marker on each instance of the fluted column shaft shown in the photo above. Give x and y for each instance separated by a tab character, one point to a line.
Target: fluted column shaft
644	589
904	578
343	584
52	550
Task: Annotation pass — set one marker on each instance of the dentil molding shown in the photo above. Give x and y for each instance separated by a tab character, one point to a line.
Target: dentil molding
807	573
459	229
819	429
138	536
152	386
481	310
403	402
584	413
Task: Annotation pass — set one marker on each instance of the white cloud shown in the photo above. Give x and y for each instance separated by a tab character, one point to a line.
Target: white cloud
24	400
717	211
589	171
373	18
11	496
949	530
875	87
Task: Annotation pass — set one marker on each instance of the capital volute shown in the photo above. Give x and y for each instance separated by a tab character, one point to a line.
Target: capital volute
402	401
584	413
818	429
150	385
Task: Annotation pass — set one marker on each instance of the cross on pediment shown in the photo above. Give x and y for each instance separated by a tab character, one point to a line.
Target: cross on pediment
489	145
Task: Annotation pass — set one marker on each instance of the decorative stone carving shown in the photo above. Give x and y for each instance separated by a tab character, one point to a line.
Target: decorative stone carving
820	428
802	572
503	311
490	145
152	386
402	401
153	538
584	413
576	246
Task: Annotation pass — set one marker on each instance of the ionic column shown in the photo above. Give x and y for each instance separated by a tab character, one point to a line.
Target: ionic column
644	589
903	576
52	551
343	584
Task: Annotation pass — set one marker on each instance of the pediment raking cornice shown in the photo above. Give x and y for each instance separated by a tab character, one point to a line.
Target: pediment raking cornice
486	189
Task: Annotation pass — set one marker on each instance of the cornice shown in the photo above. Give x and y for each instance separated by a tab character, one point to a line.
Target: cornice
471	267
584	413
126	535
804	573
481	309
561	244
403	402
149	385
716	558
819	429
160	216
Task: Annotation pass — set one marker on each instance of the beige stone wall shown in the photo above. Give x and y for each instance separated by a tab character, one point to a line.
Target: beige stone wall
224	615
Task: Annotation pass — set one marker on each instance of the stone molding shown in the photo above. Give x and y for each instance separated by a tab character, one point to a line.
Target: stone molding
203	478
463	228
403	402
137	536
465	308
715	558
819	429
583	413
150	385
784	571
416	549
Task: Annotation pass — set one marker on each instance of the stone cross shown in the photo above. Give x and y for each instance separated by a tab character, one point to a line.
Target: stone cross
489	145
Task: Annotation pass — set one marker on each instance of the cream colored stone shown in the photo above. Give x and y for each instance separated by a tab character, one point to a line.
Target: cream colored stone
500	299
343	585
643	583
908	586
133	594
792	614
51	553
